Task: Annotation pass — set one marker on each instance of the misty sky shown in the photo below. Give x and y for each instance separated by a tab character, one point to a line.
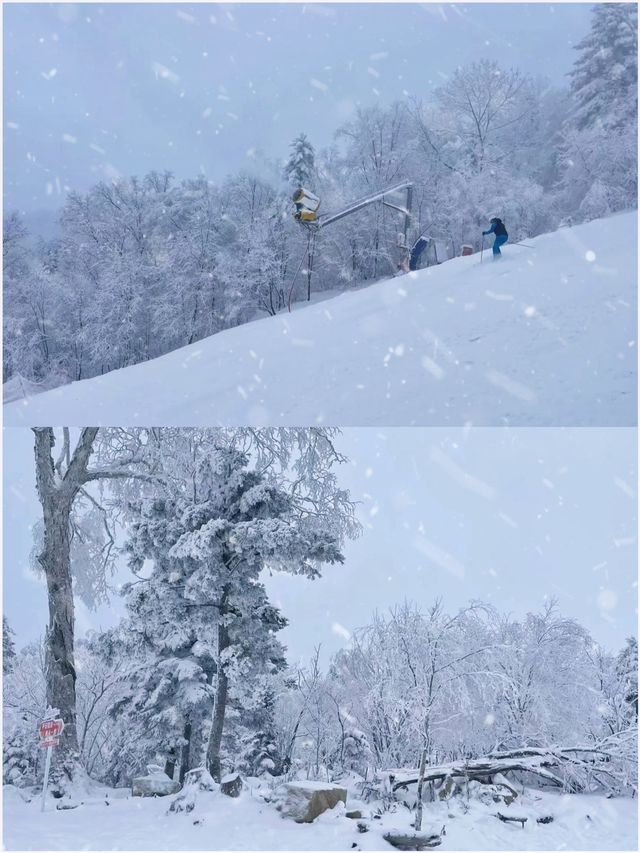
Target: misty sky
508	516
94	91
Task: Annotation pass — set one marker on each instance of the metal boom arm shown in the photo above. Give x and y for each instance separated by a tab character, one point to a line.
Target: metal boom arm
328	219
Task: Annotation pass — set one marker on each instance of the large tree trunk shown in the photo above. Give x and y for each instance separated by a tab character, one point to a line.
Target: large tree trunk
59	660
185	757
57	492
219	709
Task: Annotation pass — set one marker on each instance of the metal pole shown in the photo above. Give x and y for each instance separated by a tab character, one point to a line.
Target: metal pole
47	766
408	214
295	277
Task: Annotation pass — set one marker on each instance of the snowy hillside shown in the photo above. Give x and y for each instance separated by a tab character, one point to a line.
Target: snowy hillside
111	822
547	336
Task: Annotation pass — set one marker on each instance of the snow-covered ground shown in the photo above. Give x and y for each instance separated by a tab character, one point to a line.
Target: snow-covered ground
581	822
545	337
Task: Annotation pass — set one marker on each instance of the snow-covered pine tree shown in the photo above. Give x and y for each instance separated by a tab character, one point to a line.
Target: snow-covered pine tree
201	623
23	700
258	744
300	167
356	751
627	674
599	144
167	644
19	759
604	78
8	647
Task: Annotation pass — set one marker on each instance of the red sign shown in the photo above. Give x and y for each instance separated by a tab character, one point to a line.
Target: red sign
54	741
51	729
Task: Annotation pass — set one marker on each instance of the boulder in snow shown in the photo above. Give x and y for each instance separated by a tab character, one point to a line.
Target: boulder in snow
412	840
155	784
304	801
231	785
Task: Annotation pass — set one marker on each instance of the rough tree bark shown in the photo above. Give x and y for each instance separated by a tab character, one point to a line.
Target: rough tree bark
423	762
57	492
220	704
58	483
185	756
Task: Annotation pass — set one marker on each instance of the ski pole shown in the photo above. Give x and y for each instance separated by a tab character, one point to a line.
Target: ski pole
526	245
482	249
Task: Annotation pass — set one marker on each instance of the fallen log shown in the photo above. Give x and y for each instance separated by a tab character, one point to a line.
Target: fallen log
507	819
608	763
482	771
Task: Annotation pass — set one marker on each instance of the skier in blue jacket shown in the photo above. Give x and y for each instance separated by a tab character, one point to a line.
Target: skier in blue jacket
497	228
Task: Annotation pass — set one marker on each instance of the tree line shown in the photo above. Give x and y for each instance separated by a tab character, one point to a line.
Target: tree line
144	266
194	674
461	686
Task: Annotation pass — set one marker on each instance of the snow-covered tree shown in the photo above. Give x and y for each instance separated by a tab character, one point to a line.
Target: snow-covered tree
300	167
8	647
598	150
63	480
604	78
23	701
484	102
626	670
201	628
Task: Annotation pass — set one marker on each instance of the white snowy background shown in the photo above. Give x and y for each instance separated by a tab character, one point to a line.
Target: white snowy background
212	87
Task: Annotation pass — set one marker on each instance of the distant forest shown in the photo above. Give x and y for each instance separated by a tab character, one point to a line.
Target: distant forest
144	266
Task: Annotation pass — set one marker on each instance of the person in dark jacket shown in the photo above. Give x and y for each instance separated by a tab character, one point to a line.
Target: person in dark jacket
497	228
418	248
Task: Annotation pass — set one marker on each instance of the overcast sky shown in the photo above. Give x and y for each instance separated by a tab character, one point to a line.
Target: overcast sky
93	91
509	516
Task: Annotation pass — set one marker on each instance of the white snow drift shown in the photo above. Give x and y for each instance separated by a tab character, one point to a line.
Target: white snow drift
546	336
111	822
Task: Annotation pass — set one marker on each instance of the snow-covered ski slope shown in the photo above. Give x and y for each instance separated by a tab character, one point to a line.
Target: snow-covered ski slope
546	336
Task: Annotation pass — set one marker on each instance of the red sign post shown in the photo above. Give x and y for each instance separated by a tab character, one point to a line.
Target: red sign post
49	731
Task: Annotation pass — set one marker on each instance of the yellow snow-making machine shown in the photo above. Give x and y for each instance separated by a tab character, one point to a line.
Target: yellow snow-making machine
307	205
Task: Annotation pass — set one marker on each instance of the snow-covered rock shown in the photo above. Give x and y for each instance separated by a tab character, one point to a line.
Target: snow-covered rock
198	786
155	784
412	840
305	801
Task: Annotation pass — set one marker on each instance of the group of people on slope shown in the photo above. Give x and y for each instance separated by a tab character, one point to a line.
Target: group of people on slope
496	226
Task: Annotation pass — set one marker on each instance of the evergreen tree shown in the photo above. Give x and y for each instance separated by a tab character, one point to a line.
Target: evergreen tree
604	77
8	647
356	751
627	674
258	748
599	144
300	167
19	759
200	629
